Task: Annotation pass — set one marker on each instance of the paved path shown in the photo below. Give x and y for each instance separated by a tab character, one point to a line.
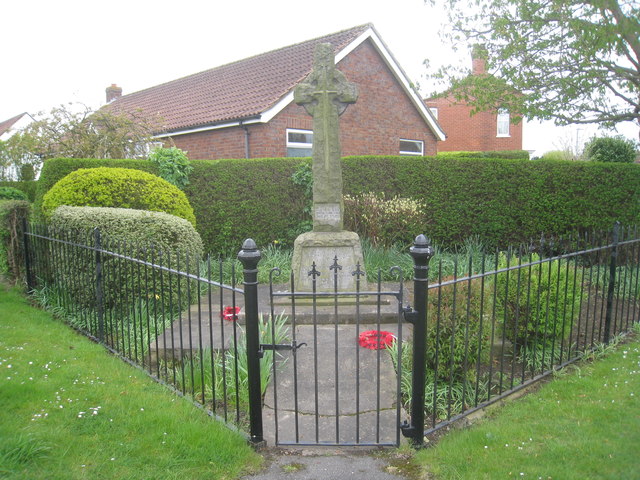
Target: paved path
332	464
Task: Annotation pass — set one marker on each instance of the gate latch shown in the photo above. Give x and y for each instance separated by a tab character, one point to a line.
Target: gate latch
283	346
409	314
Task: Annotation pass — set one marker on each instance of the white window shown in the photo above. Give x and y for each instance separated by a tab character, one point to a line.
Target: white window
503	123
411	147
299	143
434	112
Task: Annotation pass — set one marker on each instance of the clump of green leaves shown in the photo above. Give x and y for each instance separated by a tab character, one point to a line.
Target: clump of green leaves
10	193
610	149
539	302
384	221
173	165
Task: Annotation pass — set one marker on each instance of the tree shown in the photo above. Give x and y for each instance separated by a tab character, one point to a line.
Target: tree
77	132
610	149
575	62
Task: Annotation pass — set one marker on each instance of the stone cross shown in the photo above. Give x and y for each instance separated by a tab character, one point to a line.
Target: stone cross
325	94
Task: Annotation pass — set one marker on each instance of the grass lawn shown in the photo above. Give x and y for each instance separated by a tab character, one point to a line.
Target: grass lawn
583	426
69	410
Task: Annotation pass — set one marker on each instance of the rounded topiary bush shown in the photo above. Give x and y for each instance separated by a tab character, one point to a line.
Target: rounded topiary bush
120	188
10	193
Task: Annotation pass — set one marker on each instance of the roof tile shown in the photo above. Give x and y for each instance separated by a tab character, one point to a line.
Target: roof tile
237	90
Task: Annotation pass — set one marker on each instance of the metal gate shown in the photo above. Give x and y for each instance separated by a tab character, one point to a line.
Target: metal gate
337	381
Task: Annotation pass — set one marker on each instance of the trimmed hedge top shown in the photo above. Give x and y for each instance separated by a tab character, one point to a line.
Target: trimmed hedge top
120	188
167	233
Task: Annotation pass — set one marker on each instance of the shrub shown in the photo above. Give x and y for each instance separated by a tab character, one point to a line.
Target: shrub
120	188
384	221
506	154
173	165
610	149
10	193
12	212
28	187
140	234
457	335
532	301
55	169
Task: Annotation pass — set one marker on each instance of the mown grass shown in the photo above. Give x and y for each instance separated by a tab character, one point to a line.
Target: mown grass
70	410
584	426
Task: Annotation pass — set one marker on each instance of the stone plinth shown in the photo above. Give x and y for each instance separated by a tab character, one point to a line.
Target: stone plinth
322	248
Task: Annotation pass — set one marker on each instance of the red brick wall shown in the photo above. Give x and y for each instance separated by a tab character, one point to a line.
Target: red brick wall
373	125
472	133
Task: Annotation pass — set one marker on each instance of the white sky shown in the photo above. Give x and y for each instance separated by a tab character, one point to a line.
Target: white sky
60	51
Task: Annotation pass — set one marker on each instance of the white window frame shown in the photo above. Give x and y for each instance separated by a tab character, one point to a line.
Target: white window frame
417	142
434	112
300	145
503	122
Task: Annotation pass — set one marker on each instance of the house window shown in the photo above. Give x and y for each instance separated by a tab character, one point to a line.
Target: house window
299	143
411	147
503	123
434	112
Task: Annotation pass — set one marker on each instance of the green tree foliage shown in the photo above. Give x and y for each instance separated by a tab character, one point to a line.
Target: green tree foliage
117	187
610	149
76	131
173	165
574	61
10	193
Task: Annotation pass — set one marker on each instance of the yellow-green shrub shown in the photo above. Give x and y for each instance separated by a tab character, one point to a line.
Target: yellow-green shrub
120	188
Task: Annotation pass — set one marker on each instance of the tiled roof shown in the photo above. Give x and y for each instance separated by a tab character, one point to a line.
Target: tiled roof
7	124
238	90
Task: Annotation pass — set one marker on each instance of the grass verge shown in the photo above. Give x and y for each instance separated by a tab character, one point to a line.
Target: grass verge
70	410
585	426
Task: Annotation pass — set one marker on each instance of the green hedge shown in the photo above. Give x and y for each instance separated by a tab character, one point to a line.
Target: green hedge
117	188
29	187
505	154
57	168
136	233
12	212
501	201
237	199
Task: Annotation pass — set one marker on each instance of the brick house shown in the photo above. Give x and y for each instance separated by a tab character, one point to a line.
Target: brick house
245	109
481	132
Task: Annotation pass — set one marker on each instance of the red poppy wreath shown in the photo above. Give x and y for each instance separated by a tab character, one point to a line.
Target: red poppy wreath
376	339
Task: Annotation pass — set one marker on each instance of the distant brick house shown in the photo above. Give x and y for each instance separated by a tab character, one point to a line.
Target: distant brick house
245	109
481	132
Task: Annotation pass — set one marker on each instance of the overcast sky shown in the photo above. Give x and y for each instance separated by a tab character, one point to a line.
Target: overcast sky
60	51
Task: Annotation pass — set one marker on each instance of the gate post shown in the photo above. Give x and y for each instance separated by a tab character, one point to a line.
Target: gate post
612	280
249	256
421	252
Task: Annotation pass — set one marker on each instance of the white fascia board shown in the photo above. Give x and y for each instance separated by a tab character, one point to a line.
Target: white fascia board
210	127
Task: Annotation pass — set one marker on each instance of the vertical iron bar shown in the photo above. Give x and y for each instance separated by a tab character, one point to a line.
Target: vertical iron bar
295	358
27	255
335	267
612	281
249	256
421	252
99	298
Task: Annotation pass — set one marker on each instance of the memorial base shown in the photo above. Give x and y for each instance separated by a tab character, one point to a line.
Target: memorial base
322	248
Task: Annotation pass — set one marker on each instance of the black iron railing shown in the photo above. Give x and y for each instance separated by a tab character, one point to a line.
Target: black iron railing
480	329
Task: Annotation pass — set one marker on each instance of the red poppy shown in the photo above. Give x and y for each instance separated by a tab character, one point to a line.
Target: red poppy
376	339
230	314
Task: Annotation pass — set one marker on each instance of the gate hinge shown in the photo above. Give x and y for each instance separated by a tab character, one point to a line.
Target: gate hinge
409	314
407	430
283	346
